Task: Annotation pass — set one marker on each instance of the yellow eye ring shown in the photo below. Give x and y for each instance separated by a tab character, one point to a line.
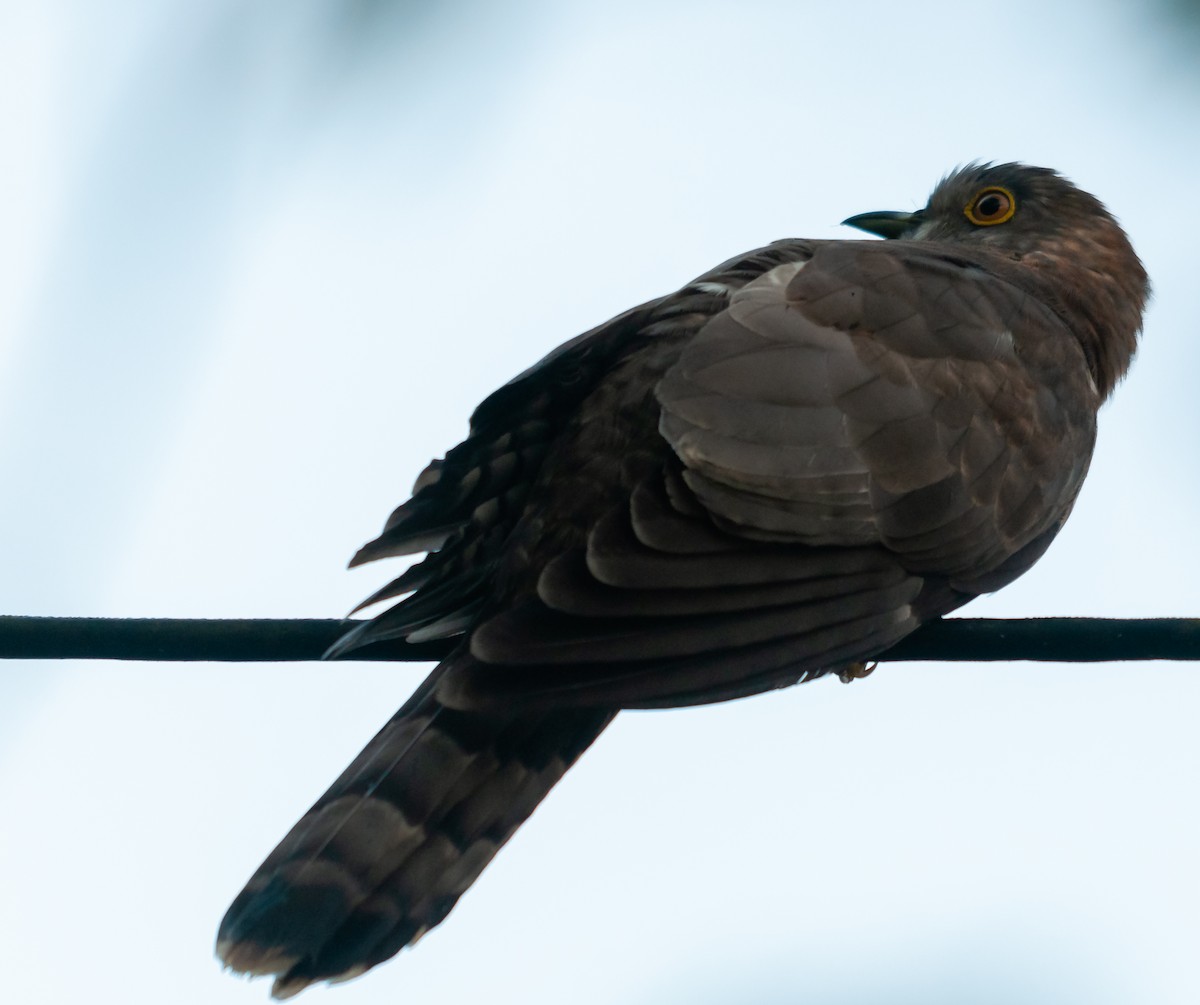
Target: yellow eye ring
992	205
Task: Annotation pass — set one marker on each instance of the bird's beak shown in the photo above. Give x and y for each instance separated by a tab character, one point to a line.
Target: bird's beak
885	223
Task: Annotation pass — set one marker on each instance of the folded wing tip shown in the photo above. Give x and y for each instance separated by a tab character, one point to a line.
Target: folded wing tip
346	643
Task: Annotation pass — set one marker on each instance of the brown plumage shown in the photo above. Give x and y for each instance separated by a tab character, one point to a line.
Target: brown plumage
775	473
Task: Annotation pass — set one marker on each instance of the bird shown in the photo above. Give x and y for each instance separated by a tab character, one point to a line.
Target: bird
771	475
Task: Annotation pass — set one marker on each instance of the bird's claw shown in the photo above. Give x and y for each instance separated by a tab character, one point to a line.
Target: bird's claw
854	671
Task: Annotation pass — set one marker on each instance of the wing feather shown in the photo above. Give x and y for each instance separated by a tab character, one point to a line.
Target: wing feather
781	469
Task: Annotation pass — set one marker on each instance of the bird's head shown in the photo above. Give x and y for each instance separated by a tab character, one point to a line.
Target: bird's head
1035	216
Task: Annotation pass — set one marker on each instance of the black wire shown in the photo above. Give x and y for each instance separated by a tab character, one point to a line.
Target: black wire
1063	640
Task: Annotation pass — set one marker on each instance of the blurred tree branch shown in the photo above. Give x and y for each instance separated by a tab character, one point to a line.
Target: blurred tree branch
1059	640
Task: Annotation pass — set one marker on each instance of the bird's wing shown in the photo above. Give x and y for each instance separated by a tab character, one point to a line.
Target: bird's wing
861	441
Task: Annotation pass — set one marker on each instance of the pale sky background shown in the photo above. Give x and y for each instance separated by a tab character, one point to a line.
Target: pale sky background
257	264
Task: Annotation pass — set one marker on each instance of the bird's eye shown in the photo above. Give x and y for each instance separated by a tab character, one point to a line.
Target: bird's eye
991	206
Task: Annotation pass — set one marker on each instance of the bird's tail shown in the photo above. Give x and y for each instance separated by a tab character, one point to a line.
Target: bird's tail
383	856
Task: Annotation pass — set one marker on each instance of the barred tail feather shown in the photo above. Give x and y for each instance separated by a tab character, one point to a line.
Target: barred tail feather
384	855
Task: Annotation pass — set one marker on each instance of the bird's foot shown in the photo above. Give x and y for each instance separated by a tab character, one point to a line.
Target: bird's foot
854	671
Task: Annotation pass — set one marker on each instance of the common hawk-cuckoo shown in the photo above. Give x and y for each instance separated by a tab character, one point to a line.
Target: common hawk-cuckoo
774	473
